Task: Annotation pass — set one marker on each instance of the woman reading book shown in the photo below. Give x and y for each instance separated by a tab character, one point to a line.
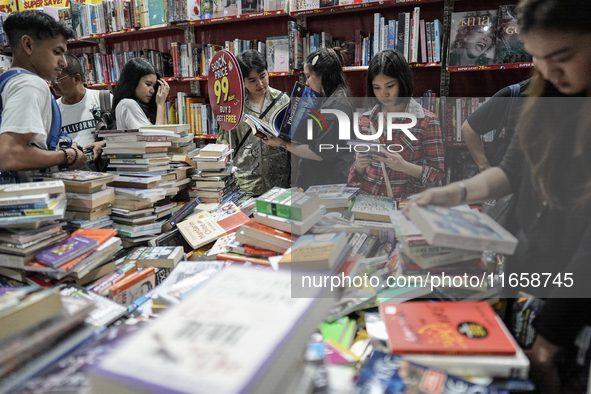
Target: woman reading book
138	101
548	168
259	167
318	163
402	166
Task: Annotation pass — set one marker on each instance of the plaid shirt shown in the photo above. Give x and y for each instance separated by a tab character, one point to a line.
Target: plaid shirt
426	151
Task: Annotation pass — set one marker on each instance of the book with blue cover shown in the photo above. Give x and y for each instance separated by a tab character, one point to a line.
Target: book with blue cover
390	374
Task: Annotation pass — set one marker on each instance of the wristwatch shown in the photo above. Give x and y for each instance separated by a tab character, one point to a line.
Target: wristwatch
283	147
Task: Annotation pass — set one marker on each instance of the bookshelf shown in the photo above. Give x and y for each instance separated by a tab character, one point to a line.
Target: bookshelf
341	22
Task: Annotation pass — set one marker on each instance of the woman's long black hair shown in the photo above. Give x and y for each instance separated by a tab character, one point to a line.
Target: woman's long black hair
328	64
130	77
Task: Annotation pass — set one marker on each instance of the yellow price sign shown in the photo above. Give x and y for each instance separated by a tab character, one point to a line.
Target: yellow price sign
221	87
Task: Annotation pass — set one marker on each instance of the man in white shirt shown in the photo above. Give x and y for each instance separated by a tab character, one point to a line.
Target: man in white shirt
78	105
38	43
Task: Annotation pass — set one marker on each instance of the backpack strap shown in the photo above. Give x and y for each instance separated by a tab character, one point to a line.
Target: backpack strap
55	131
105	101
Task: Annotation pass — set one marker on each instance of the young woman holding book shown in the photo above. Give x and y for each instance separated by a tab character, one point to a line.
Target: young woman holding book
317	164
548	168
138	100
410	166
259	167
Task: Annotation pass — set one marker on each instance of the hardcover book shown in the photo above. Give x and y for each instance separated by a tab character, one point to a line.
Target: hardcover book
66	251
459	228
424	327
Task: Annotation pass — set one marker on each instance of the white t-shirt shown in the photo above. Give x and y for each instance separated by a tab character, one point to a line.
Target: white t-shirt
26	101
130	115
78	120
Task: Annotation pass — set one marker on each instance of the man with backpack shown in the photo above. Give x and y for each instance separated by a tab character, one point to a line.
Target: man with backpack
81	108
501	111
30	126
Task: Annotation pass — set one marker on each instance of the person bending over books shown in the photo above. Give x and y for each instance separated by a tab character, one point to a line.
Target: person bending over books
548	168
260	167
410	166
324	74
138	101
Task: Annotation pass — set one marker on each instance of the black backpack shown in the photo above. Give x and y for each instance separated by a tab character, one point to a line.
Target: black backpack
103	115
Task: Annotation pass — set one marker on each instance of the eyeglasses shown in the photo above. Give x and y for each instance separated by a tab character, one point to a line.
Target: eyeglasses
60	79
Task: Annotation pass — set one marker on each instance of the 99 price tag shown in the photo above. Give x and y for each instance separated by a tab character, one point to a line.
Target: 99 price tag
226	90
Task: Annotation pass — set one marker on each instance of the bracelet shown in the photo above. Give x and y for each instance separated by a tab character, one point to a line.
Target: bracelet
66	158
75	157
464	192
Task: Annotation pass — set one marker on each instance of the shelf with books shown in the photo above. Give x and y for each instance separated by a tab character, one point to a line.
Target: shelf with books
359	6
206	136
489	67
412	65
126	32
233	18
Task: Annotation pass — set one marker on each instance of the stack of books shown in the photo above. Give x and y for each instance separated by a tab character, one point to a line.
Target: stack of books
215	180
89	199
288	210
38	328
85	251
337	197
30	220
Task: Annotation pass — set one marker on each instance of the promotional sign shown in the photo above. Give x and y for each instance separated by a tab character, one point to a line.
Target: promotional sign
226	90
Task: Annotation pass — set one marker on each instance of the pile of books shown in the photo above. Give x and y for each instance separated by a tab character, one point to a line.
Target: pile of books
337	197
89	199
215	180
30	220
38	328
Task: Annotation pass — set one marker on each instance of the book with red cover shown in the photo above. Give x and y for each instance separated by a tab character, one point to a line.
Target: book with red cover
233	222
466	328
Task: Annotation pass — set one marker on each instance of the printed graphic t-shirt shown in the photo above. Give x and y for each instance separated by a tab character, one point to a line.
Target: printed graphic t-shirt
78	120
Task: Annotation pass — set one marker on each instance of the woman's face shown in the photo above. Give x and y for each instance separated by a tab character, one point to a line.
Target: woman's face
563	58
313	80
145	88
256	84
386	89
478	43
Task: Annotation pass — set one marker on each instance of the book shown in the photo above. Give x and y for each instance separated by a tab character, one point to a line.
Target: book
472	38
104	312
509	45
225	328
66	251
82	181
303	99
389	374
22	308
467	229
185	210
159	256
465	328
26	189
291	226
133	287
417	245
288	204
214	150
316	251
377	208
255	230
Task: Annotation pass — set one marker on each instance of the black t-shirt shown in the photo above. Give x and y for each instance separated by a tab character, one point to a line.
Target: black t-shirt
491	115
